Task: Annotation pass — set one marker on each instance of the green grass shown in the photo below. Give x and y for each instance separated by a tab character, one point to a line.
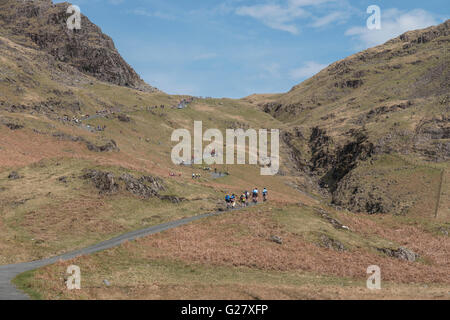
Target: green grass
46	213
308	224
25	282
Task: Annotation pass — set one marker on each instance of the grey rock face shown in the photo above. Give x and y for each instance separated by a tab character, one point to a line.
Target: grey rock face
104	181
400	253
139	187
43	25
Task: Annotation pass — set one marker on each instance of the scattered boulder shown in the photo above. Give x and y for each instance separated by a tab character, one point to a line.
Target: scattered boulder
14	176
444	231
14	126
401	253
330	243
62	179
276	239
123	118
106	283
110	146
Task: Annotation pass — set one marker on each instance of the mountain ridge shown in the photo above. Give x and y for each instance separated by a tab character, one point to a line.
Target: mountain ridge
392	99
42	25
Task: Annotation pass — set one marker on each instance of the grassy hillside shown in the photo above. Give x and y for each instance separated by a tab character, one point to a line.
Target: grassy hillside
364	179
388	102
233	257
43	215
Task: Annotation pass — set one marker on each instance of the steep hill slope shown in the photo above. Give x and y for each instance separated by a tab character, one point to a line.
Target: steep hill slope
85	156
388	106
57	124
42	24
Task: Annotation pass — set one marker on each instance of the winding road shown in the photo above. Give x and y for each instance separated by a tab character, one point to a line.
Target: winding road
9	292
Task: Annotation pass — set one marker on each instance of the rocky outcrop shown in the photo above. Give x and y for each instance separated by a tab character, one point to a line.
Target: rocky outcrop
123	118
375	113
331	166
386	100
359	196
145	187
431	138
103	181
337	162
293	139
400	253
109	146
14	126
426	35
352	83
330	243
140	188
322	152
42	24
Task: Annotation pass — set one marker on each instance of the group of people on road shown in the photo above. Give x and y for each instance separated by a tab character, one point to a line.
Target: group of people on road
244	198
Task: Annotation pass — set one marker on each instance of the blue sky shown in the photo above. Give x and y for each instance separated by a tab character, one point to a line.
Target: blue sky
234	48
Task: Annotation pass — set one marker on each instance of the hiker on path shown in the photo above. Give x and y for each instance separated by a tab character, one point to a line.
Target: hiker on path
243	200
228	201
265	194
255	195
233	200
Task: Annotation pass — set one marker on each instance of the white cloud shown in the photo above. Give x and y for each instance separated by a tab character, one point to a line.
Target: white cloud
393	23
309	69
284	17
274	16
329	18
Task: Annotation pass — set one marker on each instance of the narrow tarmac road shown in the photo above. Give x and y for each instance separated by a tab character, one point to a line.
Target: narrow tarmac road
9	292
